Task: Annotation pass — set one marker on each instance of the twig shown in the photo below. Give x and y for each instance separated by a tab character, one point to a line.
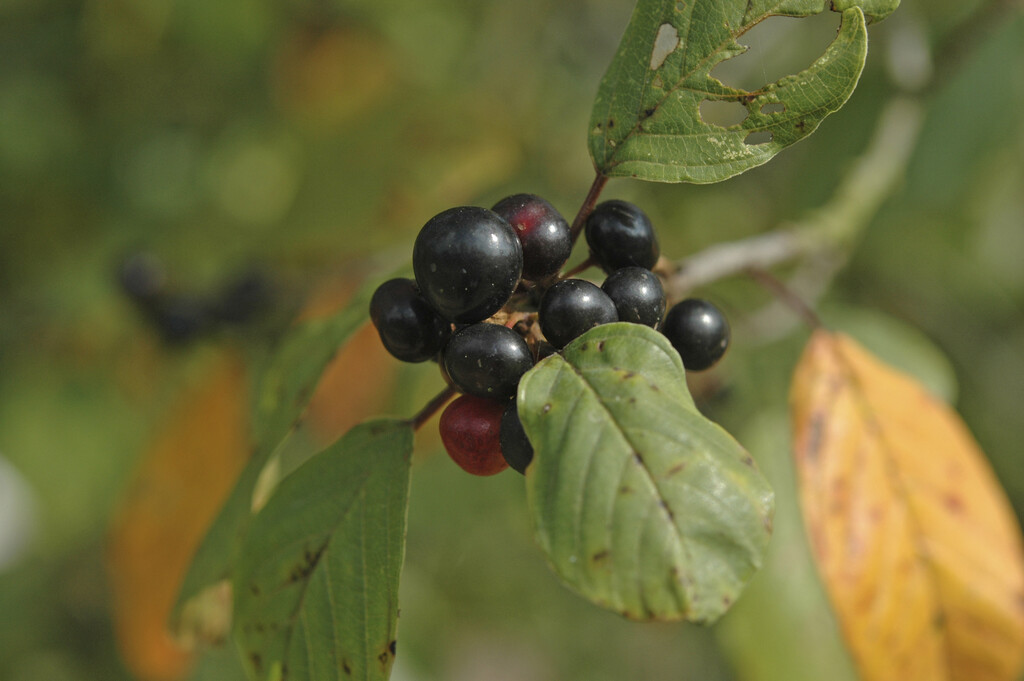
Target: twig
588	205
432	407
586	264
786	295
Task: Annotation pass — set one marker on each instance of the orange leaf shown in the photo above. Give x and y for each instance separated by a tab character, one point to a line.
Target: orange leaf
180	483
355	386
915	541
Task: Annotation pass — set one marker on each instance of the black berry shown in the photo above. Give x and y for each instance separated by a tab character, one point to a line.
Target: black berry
621	235
487	360
142	277
470	430
571	307
181	318
409	328
698	331
515	446
467	262
244	297
541	229
638	295
544	349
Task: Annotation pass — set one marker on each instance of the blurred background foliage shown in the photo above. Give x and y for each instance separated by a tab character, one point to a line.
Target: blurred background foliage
304	137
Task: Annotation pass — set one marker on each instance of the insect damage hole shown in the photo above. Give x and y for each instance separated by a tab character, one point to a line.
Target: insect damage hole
758	137
721	113
665	43
776	47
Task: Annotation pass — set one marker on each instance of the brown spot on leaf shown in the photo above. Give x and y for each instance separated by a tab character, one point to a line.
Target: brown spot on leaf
815	430
800	125
675	470
611	123
600	556
309	562
393	646
953	503
257	662
668	511
600	346
625	489
345	667
748	460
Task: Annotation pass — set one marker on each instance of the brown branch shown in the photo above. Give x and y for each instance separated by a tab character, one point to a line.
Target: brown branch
588	205
432	407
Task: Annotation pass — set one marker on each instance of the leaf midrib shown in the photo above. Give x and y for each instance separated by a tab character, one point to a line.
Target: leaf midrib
896	478
666	510
324	550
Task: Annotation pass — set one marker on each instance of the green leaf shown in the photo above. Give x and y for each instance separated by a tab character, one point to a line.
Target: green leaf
316	587
283	393
646	119
641	504
874	10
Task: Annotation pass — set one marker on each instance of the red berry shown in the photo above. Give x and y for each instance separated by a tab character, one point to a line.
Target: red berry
471	432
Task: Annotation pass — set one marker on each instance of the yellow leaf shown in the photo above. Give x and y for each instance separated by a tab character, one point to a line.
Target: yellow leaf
913	536
181	481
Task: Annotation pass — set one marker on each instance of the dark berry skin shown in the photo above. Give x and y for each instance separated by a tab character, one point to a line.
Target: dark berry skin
181	318
515	446
467	262
471	432
545	349
541	229
487	360
698	331
638	295
142	277
621	235
244	297
571	307
408	327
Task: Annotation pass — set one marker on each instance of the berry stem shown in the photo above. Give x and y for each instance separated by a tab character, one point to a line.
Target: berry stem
786	295
586	264
432	407
588	205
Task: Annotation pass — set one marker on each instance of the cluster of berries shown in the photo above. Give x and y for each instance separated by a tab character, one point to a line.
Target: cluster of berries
487	303
181	317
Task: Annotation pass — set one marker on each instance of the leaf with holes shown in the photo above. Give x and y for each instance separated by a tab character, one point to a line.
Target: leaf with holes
646	119
282	395
316	588
915	541
641	504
